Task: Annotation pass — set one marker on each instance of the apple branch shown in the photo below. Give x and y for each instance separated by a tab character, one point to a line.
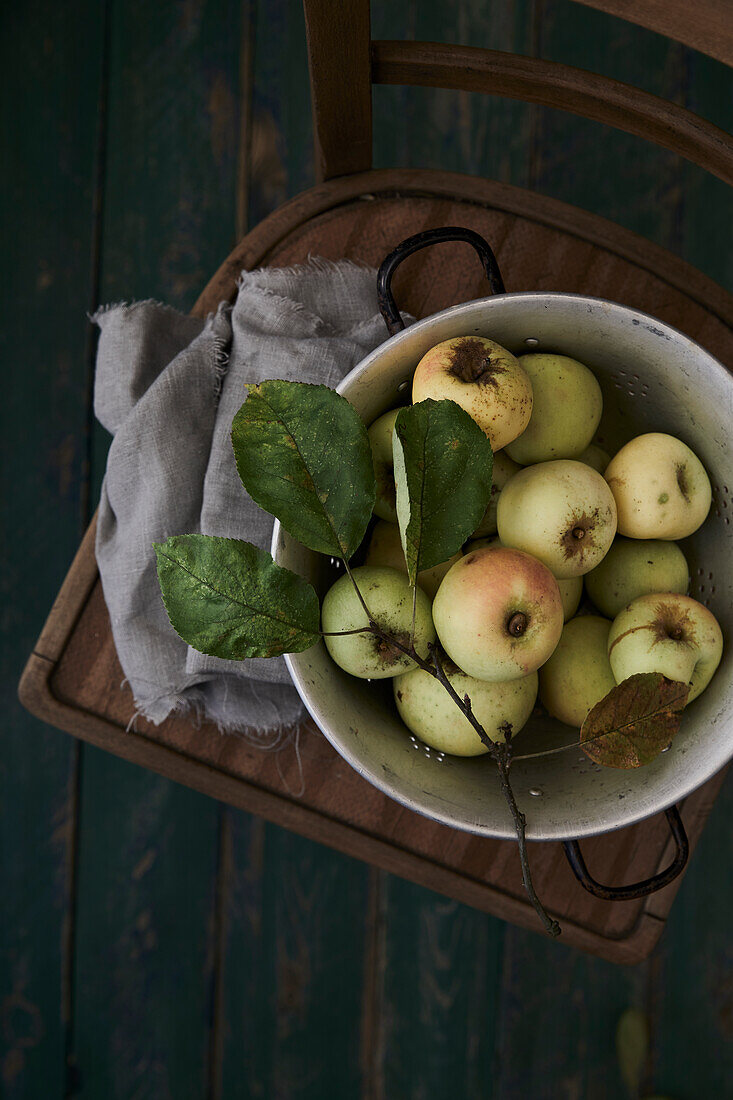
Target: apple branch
501	754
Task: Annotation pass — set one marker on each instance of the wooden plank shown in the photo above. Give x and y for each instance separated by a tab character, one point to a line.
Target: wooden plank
148	852
692	967
50	66
461	131
293	912
438	962
559	1012
293	967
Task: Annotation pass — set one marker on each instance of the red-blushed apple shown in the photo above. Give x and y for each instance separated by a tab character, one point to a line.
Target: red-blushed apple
380	438
571	588
561	512
385	548
667	633
660	486
498	614
636	567
430	713
566	409
578	674
388	596
503	469
484	379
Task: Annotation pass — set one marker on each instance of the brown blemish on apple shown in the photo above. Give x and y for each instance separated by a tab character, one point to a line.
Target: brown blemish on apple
471	361
578	537
682	482
662	499
470	559
672	623
389	654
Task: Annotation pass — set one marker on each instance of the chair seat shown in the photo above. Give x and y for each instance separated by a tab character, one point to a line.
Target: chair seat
74	679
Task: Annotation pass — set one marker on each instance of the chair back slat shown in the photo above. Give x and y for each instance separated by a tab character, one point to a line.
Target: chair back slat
551	84
344	63
338	36
705	25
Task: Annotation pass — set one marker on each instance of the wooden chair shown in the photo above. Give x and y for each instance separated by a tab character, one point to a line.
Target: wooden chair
73	679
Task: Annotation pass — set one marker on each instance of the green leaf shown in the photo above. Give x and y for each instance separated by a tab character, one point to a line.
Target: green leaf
303	455
638	718
632	1047
443	464
229	599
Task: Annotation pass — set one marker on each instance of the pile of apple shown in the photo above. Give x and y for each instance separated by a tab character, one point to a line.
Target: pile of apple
561	510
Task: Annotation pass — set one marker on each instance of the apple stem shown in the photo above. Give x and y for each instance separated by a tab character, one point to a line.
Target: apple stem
501	754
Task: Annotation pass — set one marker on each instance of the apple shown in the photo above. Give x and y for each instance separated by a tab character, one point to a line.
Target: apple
428	711
636	567
388	596
668	633
503	469
571	588
595	456
484	379
578	674
562	512
660	486
566	409
498	613
385	548
380	438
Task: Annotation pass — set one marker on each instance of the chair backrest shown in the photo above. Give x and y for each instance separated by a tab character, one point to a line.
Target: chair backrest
345	62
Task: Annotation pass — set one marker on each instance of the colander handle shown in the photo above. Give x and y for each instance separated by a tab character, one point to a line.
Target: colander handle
636	889
387	306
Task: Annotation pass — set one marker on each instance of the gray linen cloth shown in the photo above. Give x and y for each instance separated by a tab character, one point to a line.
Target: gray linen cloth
167	386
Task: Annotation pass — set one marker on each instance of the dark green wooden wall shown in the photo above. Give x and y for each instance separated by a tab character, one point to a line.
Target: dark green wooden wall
153	943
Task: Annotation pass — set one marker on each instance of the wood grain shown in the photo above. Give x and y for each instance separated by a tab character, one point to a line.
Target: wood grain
148	849
338	38
706	25
551	84
51	83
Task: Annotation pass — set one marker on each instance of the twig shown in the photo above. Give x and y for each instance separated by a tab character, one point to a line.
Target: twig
501	755
356	589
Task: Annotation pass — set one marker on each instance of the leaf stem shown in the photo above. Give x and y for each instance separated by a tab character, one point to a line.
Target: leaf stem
356	589
343	633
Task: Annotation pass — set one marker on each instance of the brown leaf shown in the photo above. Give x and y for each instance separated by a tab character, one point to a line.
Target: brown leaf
635	721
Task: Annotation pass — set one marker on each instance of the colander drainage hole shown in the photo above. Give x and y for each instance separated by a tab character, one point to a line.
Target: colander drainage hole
536	792
531	342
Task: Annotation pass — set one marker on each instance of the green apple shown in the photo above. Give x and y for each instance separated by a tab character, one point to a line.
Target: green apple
660	486
498	614
566	409
636	567
503	469
667	633
595	456
484	379
428	711
571	588
561	512
578	674
385	548
388	596
380	438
